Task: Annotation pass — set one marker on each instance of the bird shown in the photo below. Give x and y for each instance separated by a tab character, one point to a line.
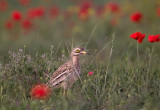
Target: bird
68	73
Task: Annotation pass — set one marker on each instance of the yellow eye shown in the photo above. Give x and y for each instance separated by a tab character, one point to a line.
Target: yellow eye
77	51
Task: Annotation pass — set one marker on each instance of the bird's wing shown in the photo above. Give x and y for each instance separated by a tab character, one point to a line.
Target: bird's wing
60	74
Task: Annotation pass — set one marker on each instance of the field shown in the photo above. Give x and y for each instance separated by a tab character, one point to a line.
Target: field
122	37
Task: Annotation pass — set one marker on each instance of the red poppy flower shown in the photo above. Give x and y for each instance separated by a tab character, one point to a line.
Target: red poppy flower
40	11
54	12
40	91
158	11
9	25
36	12
90	73
136	17
84	10
26	24
83	14
113	7
16	15
24	2
154	38
31	13
138	36
3	5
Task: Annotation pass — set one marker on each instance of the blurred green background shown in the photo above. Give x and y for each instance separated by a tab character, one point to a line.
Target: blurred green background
68	28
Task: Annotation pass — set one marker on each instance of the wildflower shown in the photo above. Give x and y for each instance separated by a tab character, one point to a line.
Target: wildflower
8	66
90	73
136	17
138	36
28	58
83	14
26	24
154	38
16	15
37	12
113	7
40	11
20	50
54	12
43	56
14	55
40	91
49	63
24	2
3	5
158	11
9	25
84	10
31	13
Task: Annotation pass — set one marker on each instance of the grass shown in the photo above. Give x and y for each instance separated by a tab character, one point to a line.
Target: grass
115	85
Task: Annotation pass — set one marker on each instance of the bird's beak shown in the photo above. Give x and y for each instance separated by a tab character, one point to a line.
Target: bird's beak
84	52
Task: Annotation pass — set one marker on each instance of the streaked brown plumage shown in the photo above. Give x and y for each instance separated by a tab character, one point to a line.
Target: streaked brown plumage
66	75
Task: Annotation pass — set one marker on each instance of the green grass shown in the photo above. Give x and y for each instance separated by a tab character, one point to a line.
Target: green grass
115	85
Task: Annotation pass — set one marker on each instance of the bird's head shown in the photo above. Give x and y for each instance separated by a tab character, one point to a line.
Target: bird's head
78	51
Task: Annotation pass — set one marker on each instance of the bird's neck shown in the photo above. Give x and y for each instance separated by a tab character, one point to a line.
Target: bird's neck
75	60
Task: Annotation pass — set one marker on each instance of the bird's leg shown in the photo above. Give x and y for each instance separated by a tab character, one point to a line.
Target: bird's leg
64	88
68	92
64	92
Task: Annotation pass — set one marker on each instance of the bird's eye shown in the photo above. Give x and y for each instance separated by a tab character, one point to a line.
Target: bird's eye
77	51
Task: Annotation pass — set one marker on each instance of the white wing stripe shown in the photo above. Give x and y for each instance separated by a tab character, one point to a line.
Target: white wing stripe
61	79
60	75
